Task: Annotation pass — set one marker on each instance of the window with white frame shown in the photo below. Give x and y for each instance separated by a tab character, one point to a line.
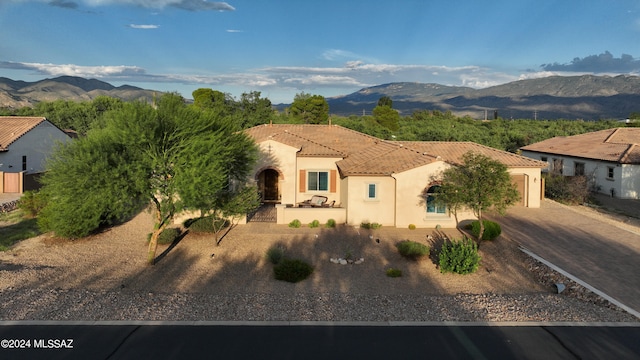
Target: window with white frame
610	172
433	206
318	181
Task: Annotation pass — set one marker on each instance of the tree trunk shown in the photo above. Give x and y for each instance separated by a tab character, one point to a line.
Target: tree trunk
153	246
481	234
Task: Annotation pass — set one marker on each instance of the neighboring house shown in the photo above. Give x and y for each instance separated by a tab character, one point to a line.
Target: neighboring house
610	158
25	143
366	178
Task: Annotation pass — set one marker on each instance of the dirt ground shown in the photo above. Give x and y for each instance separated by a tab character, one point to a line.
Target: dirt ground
114	260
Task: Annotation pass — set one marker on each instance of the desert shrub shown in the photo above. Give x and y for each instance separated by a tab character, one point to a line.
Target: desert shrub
205	224
295	223
275	254
31	203
491	229
292	270
366	225
459	256
412	227
412	250
330	223
167	236
391	272
567	189
314	224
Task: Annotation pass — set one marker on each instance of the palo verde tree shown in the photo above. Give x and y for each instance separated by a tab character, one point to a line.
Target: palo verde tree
480	184
143	154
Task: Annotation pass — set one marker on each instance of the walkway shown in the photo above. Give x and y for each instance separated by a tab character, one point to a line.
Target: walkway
600	253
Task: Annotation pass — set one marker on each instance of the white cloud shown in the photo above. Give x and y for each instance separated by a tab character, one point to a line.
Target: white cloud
286	80
144	27
190	5
234	31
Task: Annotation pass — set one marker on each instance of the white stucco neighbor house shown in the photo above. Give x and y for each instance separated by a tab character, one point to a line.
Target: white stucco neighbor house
25	143
610	158
366	179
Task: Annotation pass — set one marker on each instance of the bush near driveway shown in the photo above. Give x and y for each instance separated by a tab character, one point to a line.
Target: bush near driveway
459	256
491	229
292	270
412	250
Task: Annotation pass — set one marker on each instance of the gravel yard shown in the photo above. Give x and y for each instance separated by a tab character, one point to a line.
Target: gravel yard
105	277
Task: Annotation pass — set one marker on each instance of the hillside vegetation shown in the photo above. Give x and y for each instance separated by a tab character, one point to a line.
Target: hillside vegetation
426	125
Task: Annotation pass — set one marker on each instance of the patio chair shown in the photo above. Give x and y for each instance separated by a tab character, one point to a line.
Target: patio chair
315	201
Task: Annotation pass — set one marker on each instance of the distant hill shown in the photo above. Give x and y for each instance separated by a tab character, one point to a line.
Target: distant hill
16	94
585	97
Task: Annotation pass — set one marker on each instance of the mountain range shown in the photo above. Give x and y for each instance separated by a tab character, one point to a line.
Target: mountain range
585	97
16	94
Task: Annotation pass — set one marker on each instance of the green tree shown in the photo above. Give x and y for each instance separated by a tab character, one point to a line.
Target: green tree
143	154
310	109
480	184
387	117
204	98
254	110
385	101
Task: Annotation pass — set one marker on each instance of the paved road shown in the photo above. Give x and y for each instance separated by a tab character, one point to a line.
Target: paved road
599	253
329	341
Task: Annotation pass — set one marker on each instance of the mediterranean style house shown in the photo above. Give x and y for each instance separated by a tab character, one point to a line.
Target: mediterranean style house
610	158
321	172
25	142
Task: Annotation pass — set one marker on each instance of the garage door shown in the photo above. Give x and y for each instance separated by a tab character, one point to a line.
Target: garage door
11	182
521	184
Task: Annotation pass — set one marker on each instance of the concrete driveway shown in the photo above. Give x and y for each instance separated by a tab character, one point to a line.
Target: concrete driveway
600	253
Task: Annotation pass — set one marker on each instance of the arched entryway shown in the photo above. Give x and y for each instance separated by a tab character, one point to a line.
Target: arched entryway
268	185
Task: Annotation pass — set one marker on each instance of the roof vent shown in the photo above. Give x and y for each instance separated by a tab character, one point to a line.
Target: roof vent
438	157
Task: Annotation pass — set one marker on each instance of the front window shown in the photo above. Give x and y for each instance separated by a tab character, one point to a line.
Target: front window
318	181
433	207
372	191
579	169
610	173
557	166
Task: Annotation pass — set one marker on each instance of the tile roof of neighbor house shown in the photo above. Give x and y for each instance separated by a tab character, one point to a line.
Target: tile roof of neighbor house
14	127
367	155
620	145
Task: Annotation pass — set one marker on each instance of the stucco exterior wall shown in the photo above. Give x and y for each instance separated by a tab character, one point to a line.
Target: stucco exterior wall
410	206
318	164
285	215
36	145
361	208
533	189
630	182
282	158
624	183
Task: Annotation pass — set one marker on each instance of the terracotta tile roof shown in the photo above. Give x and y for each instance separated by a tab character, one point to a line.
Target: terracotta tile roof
315	140
452	152
385	158
620	145
367	155
14	127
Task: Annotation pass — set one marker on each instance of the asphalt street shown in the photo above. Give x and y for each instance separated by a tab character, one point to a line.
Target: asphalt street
21	340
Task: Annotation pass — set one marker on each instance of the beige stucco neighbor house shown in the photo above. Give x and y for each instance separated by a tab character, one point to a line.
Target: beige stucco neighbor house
366	179
25	143
610	158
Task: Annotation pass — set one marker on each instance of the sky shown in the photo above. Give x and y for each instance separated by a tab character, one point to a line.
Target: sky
330	48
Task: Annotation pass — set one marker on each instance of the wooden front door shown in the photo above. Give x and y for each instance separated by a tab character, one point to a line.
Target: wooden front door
268	182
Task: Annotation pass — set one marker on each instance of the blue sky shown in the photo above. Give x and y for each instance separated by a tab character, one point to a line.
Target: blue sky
329	47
